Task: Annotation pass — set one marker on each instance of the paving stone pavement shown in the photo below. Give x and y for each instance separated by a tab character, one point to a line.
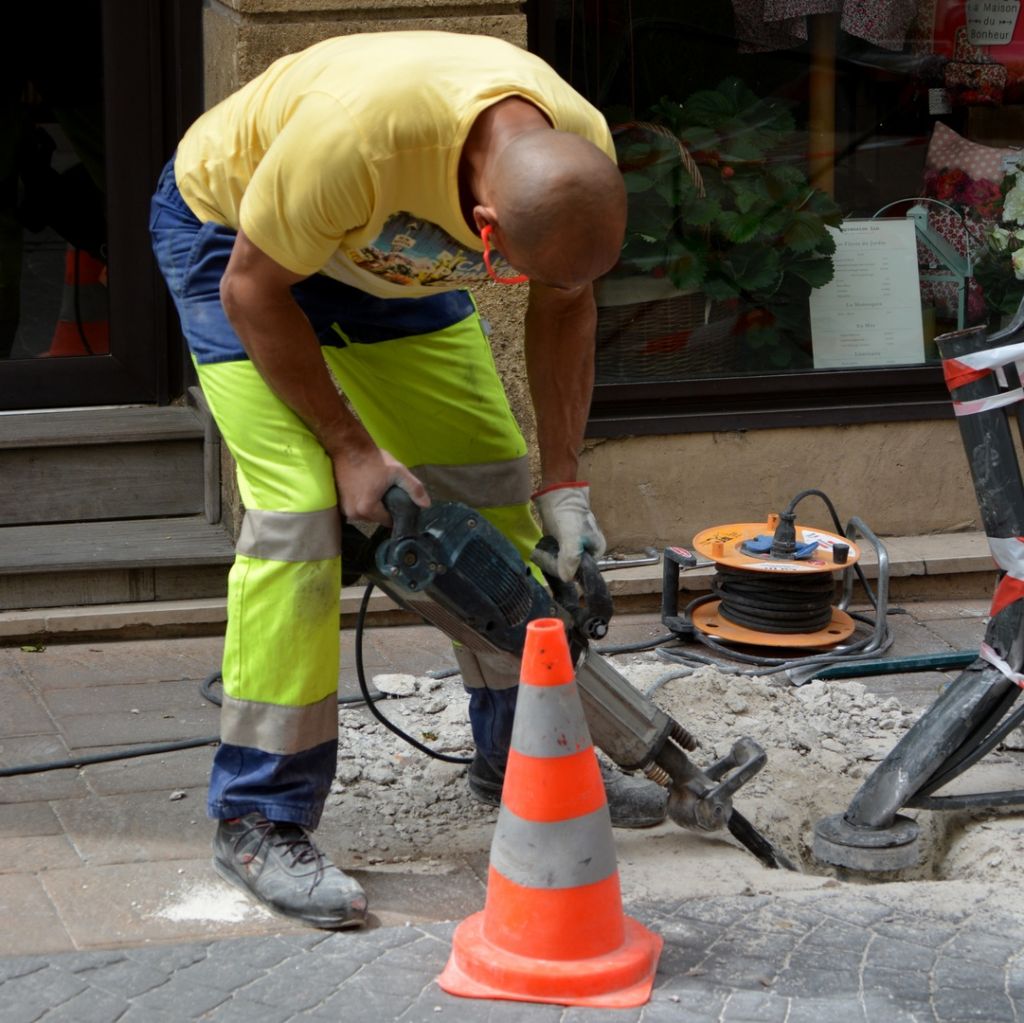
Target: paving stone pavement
834	957
81	851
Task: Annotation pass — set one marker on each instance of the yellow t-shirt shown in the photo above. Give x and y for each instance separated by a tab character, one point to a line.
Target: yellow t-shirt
344	158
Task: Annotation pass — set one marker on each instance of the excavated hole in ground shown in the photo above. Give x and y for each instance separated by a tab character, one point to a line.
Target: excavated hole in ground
393	805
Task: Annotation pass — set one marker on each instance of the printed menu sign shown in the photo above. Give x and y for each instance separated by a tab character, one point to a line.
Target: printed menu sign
870	313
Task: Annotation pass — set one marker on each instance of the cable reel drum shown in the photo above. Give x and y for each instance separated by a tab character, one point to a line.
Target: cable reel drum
774	584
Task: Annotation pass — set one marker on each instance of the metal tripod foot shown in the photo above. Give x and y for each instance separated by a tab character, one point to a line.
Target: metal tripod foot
843	844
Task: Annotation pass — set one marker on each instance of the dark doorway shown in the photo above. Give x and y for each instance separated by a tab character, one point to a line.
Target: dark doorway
94	97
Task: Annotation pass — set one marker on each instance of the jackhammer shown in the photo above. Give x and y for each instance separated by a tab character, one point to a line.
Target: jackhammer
450	566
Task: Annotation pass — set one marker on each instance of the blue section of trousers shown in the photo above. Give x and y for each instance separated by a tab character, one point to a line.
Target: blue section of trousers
193	256
289	787
491	713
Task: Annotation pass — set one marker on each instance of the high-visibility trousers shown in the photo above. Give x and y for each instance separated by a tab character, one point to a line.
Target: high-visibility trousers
421	377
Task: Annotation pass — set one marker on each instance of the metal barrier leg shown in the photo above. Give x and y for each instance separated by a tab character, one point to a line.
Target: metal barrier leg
871	835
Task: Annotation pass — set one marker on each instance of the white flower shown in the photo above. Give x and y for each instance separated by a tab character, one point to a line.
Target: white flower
1018	264
1000	238
1013	206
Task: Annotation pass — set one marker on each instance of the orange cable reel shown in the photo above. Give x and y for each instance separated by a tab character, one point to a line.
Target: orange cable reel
552	929
726	546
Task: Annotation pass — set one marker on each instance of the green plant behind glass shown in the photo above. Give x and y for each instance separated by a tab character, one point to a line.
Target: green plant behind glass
747	226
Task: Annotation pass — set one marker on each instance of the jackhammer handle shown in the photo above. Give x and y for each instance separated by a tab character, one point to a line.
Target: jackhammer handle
403	510
745	759
587	598
596	597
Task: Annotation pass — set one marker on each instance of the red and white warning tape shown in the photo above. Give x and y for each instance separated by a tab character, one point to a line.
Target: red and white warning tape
986	653
970	408
965	369
1008	553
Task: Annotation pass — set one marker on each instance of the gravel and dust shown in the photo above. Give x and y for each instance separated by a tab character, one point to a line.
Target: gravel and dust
392	805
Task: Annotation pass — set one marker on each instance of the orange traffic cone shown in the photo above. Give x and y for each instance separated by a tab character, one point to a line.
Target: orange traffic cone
552	928
82	326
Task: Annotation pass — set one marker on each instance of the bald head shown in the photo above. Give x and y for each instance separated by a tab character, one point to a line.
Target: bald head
560	205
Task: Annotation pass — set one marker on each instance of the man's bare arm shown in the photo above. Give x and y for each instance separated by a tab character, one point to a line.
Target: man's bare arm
255	292
560	328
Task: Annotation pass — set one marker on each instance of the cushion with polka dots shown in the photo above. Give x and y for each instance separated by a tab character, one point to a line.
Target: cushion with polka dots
964	176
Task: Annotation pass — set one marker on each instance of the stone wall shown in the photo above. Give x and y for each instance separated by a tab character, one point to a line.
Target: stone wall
899	478
241	37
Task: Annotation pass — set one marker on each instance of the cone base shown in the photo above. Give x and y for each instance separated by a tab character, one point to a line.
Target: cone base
620	979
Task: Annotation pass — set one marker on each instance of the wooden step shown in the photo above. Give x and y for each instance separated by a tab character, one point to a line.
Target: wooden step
103	562
121	425
82	465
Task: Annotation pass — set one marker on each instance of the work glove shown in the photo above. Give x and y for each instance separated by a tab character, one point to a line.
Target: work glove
564	510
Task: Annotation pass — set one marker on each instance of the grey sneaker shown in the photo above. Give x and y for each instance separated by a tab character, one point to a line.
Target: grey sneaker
279	865
632	802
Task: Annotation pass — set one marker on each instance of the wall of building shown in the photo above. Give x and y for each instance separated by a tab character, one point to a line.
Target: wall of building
900	478
241	37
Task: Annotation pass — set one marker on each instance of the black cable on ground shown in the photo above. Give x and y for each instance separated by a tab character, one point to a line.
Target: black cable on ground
103	758
390	725
771	665
638	647
206	689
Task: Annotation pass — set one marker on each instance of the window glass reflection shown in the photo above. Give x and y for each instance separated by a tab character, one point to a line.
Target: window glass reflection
53	235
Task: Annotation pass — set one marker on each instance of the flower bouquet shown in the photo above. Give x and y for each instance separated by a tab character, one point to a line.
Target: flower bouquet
1000	268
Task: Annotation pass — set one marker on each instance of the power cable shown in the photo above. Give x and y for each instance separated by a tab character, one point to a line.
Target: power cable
208	692
102	758
390	725
795	604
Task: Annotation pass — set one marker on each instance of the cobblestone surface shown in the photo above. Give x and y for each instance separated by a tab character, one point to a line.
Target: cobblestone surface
840	957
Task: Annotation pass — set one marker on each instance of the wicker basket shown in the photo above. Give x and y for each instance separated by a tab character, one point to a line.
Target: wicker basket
642	337
665	339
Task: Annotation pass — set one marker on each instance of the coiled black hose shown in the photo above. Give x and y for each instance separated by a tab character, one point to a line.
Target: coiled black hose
776	602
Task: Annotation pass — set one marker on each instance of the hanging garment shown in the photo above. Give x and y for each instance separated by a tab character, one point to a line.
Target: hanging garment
780	24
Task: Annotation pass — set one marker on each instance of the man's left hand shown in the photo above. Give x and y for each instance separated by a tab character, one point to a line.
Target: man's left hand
565	514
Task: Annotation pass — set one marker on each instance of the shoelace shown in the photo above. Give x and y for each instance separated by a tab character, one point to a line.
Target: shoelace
293	840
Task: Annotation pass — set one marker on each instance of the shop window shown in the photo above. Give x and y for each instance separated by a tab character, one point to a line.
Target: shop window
813	198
